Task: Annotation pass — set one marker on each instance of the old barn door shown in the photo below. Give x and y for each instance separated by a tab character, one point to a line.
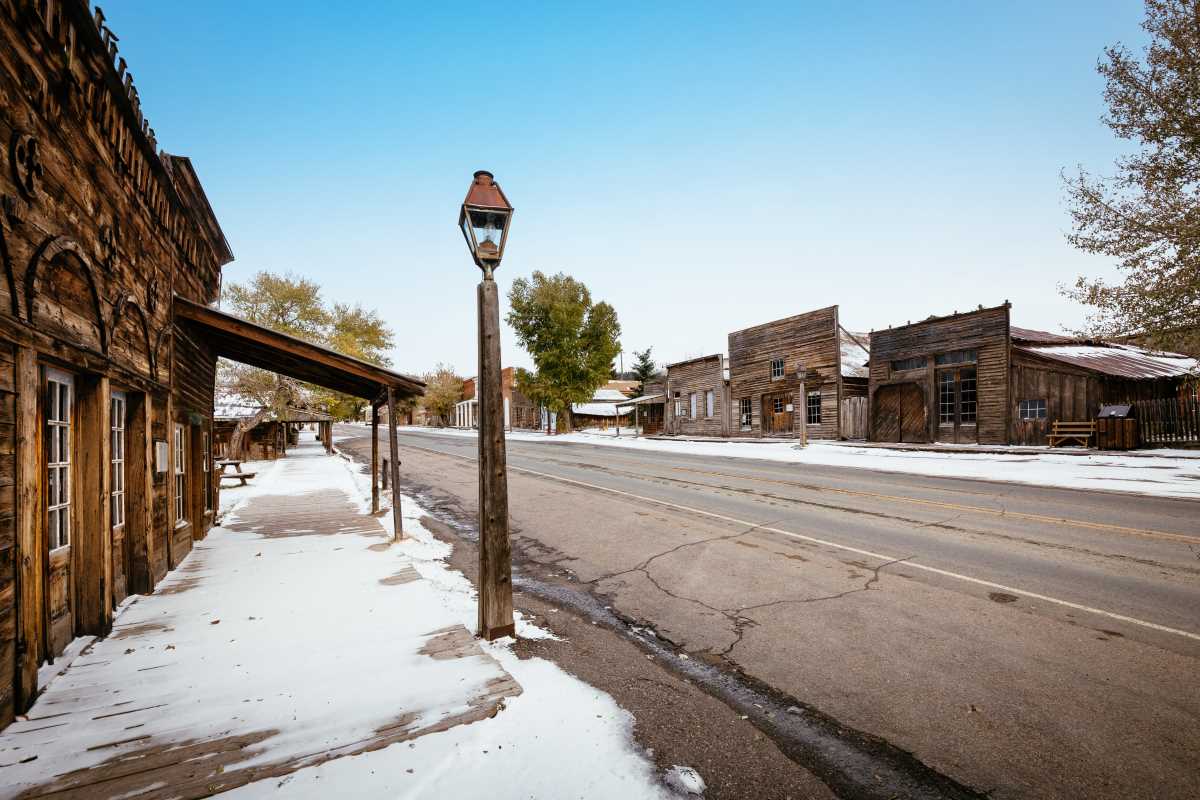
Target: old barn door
58	407
777	413
898	414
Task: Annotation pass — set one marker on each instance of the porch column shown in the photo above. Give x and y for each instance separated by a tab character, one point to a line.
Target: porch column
394	466
374	458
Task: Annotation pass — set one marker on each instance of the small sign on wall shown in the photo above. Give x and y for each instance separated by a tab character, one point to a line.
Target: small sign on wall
160	456
790	407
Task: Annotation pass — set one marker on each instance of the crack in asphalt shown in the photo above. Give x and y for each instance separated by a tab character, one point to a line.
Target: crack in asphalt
856	765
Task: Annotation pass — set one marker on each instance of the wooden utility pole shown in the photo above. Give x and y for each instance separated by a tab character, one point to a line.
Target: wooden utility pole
803	407
374	458
394	464
495	554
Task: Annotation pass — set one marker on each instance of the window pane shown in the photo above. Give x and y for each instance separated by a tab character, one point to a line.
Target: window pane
946	397
966	389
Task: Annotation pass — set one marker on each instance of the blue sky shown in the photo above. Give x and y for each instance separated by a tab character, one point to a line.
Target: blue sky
702	167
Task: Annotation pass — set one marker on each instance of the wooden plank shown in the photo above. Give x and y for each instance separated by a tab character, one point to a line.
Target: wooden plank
30	594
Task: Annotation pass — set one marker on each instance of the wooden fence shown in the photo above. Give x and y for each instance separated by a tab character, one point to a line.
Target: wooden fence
1168	421
854	417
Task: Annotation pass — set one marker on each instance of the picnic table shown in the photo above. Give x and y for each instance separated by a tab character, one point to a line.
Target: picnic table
236	463
222	463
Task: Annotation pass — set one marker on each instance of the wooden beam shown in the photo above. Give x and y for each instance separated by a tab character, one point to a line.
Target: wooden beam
239	328
393	447
374	459
30	592
495	553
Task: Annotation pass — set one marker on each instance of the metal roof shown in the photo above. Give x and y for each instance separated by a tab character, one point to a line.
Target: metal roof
1035	336
1119	360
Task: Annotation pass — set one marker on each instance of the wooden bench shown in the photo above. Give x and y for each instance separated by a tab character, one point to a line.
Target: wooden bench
242	476
1080	432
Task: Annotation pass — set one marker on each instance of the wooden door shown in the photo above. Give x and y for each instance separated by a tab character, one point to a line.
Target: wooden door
776	416
913	417
885	414
58	406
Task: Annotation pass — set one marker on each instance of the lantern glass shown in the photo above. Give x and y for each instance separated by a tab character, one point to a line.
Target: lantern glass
488	228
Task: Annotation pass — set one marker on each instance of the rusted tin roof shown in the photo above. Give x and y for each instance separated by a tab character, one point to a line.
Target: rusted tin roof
1034	336
1119	360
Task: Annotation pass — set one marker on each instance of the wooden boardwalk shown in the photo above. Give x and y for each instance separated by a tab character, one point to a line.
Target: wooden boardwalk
167	705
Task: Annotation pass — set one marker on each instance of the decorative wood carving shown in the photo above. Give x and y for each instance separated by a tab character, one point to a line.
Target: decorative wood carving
26	164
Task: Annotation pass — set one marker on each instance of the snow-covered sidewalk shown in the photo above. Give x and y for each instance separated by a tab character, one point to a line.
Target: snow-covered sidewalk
296	653
1166	473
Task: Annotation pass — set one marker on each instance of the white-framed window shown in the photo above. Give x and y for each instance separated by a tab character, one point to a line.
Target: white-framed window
117	455
746	412
813	408
708	404
777	405
207	467
59	402
692	401
776	369
180	475
1033	409
680	408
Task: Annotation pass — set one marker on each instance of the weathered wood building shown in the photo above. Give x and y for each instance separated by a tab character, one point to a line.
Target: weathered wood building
108	349
789	373
976	378
697	397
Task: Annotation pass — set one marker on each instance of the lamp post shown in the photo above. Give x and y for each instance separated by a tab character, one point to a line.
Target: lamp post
484	220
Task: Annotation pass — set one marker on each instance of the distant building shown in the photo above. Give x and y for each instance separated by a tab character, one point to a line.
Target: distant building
520	413
976	378
794	372
698	397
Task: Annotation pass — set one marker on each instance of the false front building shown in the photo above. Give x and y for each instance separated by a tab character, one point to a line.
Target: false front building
794	372
975	378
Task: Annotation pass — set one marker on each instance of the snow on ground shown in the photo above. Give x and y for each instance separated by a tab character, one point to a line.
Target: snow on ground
559	738
1166	473
294	636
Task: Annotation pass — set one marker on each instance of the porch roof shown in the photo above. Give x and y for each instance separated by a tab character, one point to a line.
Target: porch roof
237	339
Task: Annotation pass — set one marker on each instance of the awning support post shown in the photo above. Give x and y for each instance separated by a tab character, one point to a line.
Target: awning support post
374	458
394	464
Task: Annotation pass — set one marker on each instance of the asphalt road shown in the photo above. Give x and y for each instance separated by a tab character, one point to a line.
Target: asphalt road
1026	641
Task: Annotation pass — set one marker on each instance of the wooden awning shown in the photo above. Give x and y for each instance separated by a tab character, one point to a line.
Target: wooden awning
239	340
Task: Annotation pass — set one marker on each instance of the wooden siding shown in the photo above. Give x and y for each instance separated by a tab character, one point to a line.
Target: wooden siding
699	375
986	331
99	231
811	339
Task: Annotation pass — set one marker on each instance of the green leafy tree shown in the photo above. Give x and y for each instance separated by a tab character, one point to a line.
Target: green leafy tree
571	340
363	334
1147	215
643	368
443	390
293	305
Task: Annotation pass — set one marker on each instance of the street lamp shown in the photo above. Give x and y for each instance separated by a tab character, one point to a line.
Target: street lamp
484	221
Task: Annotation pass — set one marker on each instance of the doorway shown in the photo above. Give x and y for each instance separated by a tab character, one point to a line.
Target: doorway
777	414
899	414
957	405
